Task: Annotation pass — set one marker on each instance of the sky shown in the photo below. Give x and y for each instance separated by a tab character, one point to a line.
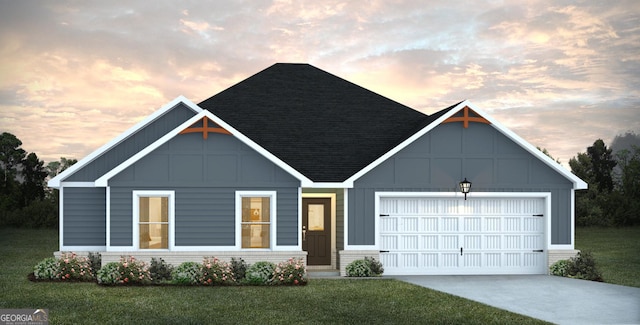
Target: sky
561	74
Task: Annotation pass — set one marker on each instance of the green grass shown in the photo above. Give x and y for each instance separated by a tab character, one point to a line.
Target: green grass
345	301
616	250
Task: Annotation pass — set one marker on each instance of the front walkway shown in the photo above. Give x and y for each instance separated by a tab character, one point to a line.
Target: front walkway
550	298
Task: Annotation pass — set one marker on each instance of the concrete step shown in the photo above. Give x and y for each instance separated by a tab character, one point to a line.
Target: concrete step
323	273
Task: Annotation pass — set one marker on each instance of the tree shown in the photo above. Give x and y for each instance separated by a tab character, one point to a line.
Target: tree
602	164
56	167
34	175
11	155
546	152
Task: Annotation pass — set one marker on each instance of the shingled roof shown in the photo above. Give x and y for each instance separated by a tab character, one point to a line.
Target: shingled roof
323	126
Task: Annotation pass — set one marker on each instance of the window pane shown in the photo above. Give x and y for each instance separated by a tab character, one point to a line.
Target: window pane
316	217
154	222
256	209
154	236
144	209
154	209
255	236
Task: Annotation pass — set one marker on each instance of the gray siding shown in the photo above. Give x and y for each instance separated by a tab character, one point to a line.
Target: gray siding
205	174
84	216
204	216
133	144
442	158
188	160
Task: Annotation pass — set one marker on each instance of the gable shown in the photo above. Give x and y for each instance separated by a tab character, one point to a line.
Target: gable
193	123
449	153
449	139
128	143
190	160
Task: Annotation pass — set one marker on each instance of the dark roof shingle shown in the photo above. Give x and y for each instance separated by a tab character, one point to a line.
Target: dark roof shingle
325	127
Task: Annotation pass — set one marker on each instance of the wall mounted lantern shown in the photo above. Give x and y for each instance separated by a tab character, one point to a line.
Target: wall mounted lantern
465	186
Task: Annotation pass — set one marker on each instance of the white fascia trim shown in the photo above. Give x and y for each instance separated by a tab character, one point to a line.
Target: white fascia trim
104	180
77	184
55	182
332	185
578	184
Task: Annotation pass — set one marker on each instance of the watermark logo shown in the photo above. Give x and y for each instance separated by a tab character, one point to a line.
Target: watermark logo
24	317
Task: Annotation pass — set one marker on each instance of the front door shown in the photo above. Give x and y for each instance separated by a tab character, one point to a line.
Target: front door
316	230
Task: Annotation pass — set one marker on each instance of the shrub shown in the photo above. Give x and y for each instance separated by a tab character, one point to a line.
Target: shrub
187	273
560	268
214	271
109	273
46	269
292	271
260	273
375	266
239	269
583	266
160	270
73	267
359	268
127	271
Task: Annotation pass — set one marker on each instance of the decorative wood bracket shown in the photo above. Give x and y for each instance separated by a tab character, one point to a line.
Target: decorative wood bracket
205	129
466	118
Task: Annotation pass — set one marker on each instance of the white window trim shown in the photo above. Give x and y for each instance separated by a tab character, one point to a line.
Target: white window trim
136	218
273	220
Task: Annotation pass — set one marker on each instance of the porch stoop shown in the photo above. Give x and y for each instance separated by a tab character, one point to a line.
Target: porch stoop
318	273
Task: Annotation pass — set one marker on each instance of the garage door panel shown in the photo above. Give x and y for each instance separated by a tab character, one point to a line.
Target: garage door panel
498	236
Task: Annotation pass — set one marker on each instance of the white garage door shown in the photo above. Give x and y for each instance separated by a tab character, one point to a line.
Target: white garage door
422	235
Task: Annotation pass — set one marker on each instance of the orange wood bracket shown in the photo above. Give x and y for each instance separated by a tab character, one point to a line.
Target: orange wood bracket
205	129
465	118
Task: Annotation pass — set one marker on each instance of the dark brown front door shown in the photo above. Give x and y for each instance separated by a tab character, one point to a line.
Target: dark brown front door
316	230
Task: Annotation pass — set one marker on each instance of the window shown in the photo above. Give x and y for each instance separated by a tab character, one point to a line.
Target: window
256	219
154	210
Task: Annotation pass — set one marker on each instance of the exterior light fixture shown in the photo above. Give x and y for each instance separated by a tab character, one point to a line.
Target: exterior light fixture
465	186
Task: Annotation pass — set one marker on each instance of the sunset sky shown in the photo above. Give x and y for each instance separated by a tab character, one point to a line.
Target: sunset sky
561	74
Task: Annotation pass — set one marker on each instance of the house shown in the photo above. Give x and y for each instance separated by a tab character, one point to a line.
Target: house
296	162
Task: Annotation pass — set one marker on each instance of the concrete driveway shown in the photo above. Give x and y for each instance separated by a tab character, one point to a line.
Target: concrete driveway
550	298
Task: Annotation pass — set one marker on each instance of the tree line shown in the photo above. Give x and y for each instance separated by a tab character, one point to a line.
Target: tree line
25	199
613	175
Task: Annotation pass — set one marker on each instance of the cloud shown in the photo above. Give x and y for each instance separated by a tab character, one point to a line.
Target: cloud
559	73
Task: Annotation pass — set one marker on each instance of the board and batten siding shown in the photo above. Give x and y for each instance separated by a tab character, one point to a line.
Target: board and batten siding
439	160
205	175
84	219
132	145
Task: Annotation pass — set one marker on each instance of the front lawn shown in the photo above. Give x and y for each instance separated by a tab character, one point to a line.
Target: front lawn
616	251
322	301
